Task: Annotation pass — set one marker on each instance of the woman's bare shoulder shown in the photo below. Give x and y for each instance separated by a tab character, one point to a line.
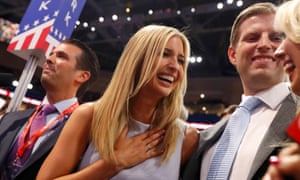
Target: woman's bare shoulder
85	109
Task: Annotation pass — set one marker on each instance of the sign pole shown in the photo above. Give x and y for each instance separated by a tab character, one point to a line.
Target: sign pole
25	79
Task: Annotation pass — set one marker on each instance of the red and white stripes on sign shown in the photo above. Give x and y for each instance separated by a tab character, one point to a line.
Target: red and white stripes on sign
38	37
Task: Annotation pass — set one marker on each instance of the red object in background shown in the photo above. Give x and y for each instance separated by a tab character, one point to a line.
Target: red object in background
293	130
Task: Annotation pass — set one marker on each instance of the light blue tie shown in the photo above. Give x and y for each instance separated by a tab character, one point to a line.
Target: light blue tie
228	145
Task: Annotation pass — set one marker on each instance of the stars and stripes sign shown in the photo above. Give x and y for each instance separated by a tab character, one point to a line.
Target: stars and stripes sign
45	24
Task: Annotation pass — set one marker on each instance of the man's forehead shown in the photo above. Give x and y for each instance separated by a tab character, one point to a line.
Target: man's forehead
66	47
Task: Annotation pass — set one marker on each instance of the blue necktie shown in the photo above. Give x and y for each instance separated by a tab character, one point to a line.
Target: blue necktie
230	140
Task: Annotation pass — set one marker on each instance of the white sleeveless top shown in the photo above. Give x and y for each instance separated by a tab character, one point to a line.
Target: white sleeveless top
150	169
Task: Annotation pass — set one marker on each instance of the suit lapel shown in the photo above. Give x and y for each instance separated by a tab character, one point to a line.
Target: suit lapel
10	125
207	138
275	134
13	120
44	148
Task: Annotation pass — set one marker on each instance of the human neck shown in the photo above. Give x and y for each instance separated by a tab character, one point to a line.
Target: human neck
253	87
142	110
57	97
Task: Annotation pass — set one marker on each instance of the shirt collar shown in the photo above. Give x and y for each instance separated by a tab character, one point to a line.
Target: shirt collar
62	105
273	96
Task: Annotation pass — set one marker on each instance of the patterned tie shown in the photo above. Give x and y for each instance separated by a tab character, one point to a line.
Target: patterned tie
230	140
40	119
38	122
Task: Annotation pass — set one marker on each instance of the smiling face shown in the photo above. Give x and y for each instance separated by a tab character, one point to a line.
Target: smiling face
253	54
170	70
289	53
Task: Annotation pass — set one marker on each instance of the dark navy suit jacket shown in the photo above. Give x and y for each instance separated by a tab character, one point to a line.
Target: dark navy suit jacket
10	124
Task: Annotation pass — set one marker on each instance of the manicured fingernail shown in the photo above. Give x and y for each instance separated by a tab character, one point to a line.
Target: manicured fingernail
274	160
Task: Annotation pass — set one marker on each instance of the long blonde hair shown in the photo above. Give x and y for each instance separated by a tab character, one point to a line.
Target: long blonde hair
135	68
287	19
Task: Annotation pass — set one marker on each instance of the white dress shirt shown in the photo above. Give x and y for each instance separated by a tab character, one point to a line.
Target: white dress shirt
260	120
60	107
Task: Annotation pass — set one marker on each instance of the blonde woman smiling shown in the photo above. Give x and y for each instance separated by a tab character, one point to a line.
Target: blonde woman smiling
133	130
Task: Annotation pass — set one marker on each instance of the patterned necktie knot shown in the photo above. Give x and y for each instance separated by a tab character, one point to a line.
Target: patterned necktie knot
40	120
251	103
48	109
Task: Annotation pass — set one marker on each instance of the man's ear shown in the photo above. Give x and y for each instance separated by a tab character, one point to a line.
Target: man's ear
231	55
84	76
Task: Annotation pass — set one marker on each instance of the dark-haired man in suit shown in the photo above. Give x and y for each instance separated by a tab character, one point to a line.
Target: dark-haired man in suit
69	70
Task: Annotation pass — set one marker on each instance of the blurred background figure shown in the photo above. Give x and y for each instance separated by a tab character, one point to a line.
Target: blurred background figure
228	111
